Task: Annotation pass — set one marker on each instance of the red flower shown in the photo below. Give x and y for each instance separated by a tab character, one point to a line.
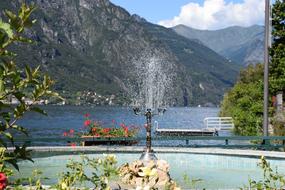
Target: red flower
126	129
94	130
73	144
87	115
65	134
71	131
3	181
106	130
87	123
96	135
122	125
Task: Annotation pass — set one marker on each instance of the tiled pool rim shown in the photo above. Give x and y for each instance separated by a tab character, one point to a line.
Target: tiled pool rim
136	149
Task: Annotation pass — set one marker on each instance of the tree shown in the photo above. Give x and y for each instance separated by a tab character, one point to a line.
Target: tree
17	83
277	66
244	102
277	52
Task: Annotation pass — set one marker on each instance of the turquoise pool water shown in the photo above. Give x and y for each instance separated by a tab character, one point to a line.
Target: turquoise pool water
216	171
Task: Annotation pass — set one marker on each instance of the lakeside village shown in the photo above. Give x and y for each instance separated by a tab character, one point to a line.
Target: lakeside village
82	98
85	98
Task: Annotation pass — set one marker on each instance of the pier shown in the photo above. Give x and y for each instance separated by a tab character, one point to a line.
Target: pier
186	132
212	126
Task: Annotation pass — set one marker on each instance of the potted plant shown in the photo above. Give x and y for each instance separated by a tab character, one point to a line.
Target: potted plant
95	133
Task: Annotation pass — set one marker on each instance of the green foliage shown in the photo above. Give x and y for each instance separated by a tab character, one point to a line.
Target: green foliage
244	102
104	173
191	183
11	31
102	170
3	159
34	182
271	179
277	65
278	122
16	83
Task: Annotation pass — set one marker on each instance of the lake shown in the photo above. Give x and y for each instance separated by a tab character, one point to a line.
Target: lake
63	118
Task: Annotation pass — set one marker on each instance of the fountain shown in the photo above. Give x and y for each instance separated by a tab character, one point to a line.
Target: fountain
148	153
153	78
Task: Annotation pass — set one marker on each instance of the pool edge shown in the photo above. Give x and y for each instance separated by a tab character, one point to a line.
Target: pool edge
138	149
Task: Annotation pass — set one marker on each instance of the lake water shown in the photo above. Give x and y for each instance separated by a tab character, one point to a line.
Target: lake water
63	118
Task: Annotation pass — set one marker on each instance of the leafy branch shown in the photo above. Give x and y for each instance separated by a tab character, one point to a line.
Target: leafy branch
16	83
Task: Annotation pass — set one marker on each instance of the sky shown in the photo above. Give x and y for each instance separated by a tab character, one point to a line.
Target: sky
199	14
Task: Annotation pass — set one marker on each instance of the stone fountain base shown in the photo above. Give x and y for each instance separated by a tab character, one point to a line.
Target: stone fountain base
147	175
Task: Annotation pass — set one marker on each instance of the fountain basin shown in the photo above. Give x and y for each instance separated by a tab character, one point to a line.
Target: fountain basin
210	165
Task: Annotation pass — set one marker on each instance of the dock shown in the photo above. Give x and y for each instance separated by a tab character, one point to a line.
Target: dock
186	132
212	126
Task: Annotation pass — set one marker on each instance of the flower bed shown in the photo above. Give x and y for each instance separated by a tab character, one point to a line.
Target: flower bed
94	133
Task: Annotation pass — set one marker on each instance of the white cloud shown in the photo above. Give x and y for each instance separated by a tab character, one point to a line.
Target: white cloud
216	14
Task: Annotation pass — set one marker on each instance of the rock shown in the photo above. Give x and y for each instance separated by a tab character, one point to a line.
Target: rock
152	174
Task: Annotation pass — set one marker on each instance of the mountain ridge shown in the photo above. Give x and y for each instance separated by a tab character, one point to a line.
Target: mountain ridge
242	45
95	47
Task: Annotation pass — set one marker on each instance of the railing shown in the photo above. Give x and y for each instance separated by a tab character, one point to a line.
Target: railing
219	123
255	142
156	125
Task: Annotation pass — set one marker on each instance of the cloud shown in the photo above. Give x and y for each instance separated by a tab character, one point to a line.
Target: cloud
217	14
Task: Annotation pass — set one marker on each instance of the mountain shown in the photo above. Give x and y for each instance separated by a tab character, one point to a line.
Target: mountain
242	45
98	53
